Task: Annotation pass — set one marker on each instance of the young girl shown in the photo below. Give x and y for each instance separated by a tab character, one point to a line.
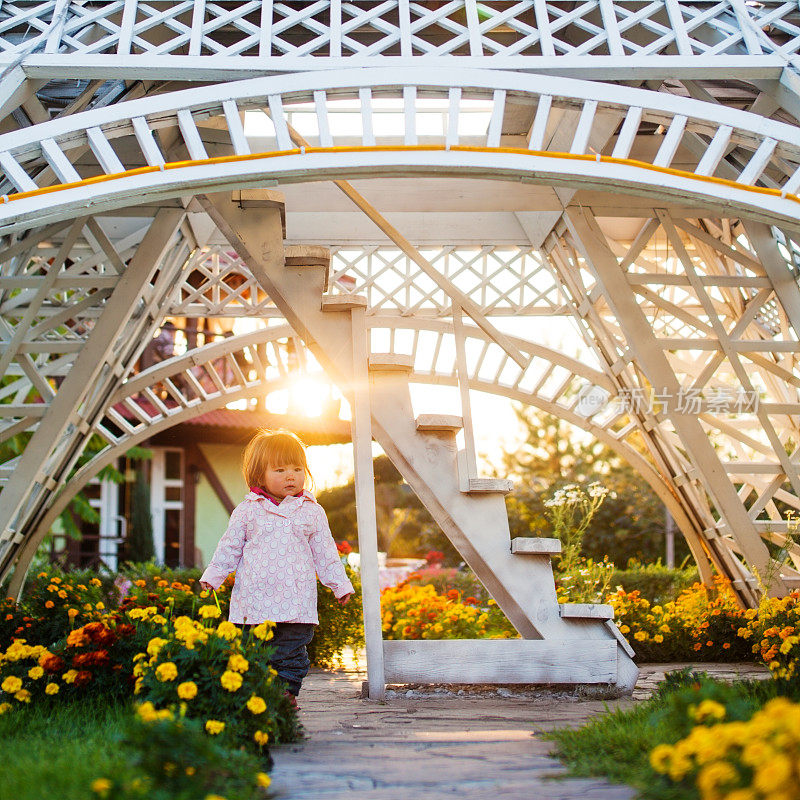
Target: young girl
276	541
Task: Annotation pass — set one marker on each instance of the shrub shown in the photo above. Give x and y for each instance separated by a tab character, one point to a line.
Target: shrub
173	759
774	630
757	759
339	626
219	675
654	582
700	625
418	612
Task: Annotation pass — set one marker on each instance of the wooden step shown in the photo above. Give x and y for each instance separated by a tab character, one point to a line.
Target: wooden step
586	611
391	362
439	422
306	255
489	485
343	302
535	545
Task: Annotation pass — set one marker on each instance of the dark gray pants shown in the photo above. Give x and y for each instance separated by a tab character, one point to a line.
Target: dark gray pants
290	659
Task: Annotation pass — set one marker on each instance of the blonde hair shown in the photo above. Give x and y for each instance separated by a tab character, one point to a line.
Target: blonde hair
269	449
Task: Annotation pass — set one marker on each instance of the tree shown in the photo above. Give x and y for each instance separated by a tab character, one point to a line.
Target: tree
405	528
629	524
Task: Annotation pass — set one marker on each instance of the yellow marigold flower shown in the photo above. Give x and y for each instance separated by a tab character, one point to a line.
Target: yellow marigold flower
23	695
227	630
214	726
231	680
49	604
208	612
5	707
96	582
62	594
139	657
81	587
159	619
87	606
261	737
716	776
99	605
55	579
658	638
624	629
774	775
262	779
190	771
42	575
138	685
72	613
147	712
166	671
35	673
11	684
187	690
51	688
708	709
256	705
101	786
238	663
659	757
155	645
263	631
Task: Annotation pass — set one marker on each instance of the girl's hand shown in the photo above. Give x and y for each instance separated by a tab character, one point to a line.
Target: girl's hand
344	598
207	586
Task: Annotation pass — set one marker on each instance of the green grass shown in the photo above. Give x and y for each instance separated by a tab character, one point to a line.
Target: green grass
617	746
57	753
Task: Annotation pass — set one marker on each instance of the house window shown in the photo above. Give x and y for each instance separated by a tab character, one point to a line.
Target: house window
166	505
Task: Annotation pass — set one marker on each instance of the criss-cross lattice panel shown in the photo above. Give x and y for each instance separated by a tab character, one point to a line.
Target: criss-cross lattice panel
729	362
75	317
325	29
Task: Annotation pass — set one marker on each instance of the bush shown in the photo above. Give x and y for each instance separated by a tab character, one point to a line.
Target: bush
654	582
221	676
694	739
774	630
339	626
55	602
173	759
418	612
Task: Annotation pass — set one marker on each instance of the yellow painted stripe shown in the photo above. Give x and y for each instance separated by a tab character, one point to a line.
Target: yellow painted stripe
397	148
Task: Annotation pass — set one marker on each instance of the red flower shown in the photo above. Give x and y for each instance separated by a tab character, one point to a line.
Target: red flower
82	678
344	547
52	664
453	594
470	601
434	557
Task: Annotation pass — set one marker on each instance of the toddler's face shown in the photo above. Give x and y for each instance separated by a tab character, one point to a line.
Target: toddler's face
284	480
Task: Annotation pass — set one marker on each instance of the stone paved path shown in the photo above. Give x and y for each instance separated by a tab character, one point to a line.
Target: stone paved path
480	745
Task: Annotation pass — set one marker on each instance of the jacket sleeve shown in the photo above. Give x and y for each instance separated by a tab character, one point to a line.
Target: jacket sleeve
326	558
228	554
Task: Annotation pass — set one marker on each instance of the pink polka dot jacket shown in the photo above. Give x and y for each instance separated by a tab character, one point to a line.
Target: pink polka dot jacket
276	552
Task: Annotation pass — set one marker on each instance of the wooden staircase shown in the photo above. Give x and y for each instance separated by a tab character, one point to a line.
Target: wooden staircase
574	644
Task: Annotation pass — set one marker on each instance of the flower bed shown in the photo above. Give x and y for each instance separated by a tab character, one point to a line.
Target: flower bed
419	612
697	738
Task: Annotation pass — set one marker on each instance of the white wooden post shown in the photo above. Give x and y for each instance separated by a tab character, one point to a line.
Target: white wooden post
462	373
365	507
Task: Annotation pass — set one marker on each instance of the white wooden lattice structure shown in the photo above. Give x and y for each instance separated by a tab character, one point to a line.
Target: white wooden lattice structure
633	166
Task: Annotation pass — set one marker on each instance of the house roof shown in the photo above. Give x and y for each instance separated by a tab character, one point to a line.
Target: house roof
234	426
